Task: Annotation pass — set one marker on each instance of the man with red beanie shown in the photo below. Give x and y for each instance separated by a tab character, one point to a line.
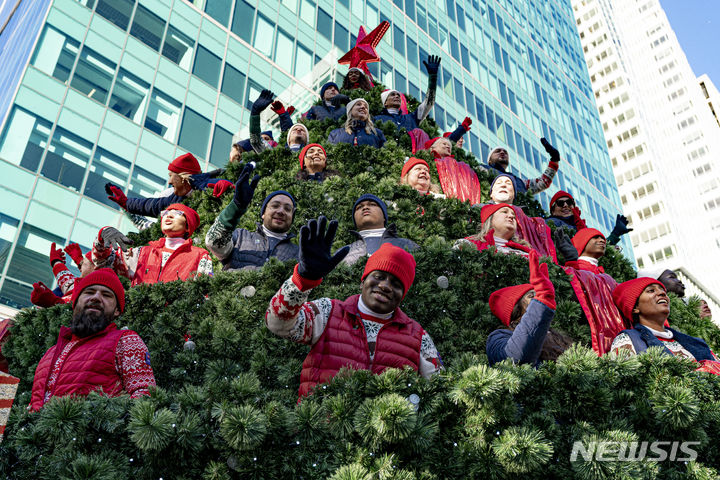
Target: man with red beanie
185	177
170	258
526	310
92	354
564	213
645	305
583	252
364	332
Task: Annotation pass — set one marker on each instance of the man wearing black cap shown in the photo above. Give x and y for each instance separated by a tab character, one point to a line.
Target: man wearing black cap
333	104
239	248
370	218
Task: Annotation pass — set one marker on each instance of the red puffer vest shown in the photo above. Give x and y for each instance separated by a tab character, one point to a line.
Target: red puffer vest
90	365
344	344
182	262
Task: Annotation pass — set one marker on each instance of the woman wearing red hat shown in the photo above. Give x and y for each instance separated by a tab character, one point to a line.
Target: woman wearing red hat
313	163
416	174
499	230
364	332
526	311
645	304
171	258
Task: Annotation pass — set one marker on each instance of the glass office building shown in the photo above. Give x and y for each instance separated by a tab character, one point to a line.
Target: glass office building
113	90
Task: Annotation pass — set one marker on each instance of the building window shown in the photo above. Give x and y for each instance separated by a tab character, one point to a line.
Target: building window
144	183
162	116
221	144
55	54
129	95
263	35
243	20
67	159
195	133
178	48
93	75
324	23
105	167
25	139
341	37
303	61
398	40
207	66
148	28
116	11
219	10
233	84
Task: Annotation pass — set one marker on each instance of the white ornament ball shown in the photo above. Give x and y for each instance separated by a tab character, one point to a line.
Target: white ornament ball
443	282
248	291
189	346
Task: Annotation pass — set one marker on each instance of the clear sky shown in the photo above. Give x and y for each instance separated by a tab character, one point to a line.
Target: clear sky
697	26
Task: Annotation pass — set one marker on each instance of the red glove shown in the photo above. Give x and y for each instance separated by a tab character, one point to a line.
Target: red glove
42	296
116	195
290	110
278	107
75	253
219	187
56	254
579	222
540	280
466	124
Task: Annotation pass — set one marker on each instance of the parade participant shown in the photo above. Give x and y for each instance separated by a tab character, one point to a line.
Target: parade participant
313	163
499	160
332	104
359	128
416	174
498	229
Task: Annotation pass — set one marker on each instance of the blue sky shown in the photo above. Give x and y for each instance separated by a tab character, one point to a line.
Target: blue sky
697	26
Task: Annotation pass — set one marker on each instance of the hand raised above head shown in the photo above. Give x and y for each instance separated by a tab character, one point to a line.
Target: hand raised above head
315	259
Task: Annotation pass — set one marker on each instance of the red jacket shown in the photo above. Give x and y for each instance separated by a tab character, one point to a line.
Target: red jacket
90	365
344	344
182	262
585	265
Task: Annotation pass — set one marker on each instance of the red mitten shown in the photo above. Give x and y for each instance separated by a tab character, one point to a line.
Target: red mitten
116	195
290	110
540	280
579	222
42	296
466	123
219	187
277	107
75	253
56	254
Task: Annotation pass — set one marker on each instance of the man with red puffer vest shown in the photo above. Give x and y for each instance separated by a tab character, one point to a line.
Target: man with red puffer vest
364	332
92	354
171	258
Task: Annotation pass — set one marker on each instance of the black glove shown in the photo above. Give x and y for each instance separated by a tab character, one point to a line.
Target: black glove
620	227
554	154
432	64
340	99
314	259
245	188
565	246
262	102
112	237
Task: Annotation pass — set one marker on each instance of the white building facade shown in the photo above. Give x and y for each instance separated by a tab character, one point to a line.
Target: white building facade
663	140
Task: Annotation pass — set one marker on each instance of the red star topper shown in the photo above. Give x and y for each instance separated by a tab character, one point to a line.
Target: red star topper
364	50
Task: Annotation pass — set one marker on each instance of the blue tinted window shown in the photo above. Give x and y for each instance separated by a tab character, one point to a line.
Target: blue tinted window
207	66
412	51
195	133
148	28
341	37
398	40
454	47
470	102
233	84
219	10
324	24
450	9
243	20
221	144
117	11
400	82
459	92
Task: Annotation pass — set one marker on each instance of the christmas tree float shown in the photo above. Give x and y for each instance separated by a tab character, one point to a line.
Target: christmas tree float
226	406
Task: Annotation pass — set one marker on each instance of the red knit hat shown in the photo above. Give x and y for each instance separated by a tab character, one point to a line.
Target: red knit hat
488	210
560	194
504	300
191	216
185	164
105	277
583	236
304	151
627	293
391	259
412	161
430	142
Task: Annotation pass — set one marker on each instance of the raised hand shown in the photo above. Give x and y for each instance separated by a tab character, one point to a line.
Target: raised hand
554	154
579	222
540	280
244	187
432	64
262	102
116	195
42	296
75	253
565	246
220	186
112	237
340	99
315	259
278	107
56	254
466	123
621	227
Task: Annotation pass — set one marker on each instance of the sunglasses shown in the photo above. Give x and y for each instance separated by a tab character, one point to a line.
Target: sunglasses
565	203
174	212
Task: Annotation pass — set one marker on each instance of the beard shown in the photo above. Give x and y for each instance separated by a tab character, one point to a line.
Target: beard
86	323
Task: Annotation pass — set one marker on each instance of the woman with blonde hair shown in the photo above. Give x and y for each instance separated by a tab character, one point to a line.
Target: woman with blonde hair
359	128
499	230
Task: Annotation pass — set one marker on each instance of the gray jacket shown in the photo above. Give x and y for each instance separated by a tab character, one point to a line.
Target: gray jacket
358	249
247	250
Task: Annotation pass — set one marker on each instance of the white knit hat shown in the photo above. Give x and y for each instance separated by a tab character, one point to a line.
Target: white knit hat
307	134
352	103
385	94
652	272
